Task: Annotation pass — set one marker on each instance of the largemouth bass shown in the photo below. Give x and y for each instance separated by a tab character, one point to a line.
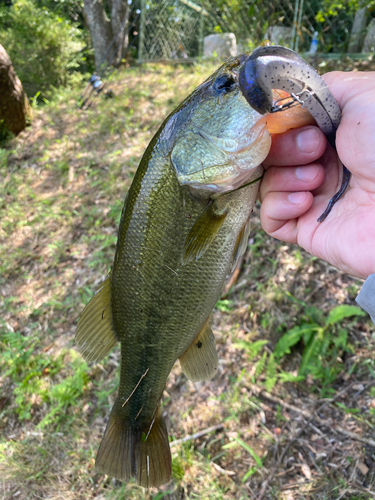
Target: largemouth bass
276	67
184	224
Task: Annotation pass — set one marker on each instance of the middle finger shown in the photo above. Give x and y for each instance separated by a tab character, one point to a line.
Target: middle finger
292	179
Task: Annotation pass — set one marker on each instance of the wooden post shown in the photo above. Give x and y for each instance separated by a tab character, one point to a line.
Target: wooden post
201	39
141	31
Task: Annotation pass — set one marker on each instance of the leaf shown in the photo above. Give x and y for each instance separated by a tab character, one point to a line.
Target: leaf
271	367
225	305
229	446
249	473
342	338
346	409
292	337
269	383
306	470
311	353
363	468
344	311
289	377
252	348
314	314
259	367
251	452
271	377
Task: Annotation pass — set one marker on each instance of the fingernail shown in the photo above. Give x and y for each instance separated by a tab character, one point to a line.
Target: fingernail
308	140
306	173
297	198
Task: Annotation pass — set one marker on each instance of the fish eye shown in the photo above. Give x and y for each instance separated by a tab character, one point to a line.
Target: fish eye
224	84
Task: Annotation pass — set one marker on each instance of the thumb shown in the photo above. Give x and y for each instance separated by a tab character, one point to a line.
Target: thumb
355	94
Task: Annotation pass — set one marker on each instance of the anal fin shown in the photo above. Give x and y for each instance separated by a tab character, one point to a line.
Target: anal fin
202	233
135	451
200	361
95	335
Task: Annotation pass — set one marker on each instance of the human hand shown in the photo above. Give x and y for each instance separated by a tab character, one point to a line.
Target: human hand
303	173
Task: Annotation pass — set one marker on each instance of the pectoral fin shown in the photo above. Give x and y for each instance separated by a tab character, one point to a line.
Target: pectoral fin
200	361
202	233
95	334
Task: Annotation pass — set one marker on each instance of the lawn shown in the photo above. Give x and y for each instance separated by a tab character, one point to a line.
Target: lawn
293	404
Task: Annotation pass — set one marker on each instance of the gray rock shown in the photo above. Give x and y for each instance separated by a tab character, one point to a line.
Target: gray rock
279	35
221	45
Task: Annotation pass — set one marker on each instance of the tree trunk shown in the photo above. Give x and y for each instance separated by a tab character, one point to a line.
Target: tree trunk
103	32
15	111
100	29
119	22
358	31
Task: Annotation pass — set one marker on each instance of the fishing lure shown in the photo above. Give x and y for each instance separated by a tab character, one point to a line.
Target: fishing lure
276	67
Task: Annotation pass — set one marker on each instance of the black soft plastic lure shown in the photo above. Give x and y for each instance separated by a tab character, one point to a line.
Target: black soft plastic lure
276	67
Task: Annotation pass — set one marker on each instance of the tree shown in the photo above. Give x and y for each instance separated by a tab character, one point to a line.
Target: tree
45	48
104	31
358	30
15	111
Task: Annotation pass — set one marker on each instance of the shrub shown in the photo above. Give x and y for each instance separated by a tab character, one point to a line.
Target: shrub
44	48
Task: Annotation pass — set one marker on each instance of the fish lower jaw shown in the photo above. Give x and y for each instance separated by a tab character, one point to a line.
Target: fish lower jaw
227	177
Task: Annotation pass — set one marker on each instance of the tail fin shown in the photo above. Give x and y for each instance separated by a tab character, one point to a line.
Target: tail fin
127	451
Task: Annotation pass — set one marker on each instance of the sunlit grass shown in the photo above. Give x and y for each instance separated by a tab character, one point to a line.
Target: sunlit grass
62	186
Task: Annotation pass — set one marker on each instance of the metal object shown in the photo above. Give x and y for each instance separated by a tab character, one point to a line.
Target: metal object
175	29
276	67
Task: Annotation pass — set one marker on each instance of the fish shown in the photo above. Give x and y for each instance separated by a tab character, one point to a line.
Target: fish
184	225
276	67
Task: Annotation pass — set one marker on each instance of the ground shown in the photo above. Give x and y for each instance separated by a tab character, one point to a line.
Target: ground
293	404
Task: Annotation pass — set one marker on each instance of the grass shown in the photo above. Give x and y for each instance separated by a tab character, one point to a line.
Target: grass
289	327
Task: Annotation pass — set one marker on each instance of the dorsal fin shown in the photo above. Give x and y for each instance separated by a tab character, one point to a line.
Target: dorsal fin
200	361
95	335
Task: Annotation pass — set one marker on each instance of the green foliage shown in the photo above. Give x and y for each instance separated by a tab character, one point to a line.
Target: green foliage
261	364
51	233
322	343
5	135
339	313
44	48
225	305
70	9
247	20
271	377
289	339
323	339
34	376
338	16
332	8
252	349
258	461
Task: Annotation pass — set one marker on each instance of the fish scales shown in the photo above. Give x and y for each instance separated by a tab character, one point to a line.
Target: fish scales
160	304
184	224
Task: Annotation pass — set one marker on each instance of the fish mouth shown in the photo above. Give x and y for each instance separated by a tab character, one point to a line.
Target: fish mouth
241	162
236	146
219	163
